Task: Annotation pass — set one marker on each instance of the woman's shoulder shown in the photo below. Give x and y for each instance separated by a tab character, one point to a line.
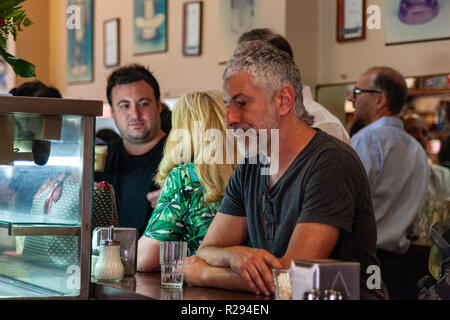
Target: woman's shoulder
185	172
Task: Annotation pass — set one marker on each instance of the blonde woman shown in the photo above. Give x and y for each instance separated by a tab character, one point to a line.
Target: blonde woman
193	174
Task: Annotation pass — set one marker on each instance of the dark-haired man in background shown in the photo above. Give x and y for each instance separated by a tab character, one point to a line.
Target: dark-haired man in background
132	161
397	168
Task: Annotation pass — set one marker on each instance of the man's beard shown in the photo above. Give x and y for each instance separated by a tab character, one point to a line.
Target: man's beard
257	141
141	137
247	149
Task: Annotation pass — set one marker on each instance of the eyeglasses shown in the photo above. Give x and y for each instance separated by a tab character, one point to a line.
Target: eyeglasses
359	91
269	218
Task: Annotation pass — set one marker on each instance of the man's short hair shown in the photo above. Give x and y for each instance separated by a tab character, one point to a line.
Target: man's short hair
35	89
255	34
281	43
267	35
27	89
269	68
129	74
48	92
392	83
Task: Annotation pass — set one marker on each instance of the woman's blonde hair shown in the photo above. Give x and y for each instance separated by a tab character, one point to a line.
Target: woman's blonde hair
193	115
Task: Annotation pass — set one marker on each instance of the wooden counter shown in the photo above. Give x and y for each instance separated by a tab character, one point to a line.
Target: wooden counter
147	286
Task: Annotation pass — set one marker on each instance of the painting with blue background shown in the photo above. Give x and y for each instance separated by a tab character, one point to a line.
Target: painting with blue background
80	44
150	26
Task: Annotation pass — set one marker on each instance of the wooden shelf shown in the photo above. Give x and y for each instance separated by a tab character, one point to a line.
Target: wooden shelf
428	92
33	225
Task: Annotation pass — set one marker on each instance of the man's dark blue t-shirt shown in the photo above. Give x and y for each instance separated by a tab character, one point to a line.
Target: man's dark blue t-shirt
326	183
132	178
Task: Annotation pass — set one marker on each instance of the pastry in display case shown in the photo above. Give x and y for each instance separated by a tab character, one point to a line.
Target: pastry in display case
46	178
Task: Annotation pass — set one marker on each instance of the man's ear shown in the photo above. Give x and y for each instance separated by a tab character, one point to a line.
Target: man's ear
382	101
286	99
159	106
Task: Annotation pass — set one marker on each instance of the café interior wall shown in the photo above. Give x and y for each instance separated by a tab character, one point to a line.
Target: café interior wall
33	44
308	25
344	62
302	32
176	73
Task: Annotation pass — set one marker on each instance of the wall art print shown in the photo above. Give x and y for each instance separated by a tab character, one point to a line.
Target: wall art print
409	21
236	17
80	43
150	26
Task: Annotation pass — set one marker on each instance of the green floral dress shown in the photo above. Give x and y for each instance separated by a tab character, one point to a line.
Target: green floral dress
181	213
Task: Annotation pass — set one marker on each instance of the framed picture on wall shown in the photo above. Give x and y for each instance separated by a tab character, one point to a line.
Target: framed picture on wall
408	21
236	17
80	41
192	28
111	30
351	18
150	26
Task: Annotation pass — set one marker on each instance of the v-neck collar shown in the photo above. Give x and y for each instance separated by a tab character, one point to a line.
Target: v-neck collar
303	153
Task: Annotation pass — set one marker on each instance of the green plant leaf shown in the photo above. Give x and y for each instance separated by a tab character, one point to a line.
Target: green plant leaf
9	4
22	68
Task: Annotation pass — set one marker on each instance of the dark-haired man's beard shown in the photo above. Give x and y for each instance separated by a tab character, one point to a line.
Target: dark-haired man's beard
138	132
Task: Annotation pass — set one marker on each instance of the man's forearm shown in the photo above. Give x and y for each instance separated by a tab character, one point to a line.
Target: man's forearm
216	256
218	277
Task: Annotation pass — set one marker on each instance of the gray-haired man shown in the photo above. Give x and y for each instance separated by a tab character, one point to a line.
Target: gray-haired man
316	206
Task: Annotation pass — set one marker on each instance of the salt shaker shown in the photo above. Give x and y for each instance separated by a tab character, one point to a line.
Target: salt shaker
109	266
311	295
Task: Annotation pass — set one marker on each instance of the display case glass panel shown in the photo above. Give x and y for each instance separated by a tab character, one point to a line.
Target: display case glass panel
45	198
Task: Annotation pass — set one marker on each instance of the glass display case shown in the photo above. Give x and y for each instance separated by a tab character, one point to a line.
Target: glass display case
46	178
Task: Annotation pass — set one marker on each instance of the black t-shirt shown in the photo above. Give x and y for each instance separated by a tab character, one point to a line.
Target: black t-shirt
326	183
132	178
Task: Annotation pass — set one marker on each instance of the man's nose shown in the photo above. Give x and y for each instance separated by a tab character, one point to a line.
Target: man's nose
135	111
232	117
351	98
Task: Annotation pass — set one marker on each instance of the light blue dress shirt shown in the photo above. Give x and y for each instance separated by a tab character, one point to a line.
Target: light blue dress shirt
397	168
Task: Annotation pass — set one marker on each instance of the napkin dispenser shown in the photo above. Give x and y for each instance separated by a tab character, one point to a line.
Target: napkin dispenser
128	238
323	275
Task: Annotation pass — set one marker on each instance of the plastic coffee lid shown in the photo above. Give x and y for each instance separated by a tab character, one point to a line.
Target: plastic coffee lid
110	242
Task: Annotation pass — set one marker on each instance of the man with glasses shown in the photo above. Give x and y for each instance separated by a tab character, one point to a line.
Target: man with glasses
397	168
315	206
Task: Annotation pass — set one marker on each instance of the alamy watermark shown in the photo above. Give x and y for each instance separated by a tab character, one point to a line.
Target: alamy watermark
74	17
374	280
74	279
373	21
373	18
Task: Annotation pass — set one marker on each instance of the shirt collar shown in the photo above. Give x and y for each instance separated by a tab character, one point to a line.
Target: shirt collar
307	96
387	122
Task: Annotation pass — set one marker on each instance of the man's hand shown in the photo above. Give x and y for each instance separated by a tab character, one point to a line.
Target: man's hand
194	269
153	197
197	272
255	266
